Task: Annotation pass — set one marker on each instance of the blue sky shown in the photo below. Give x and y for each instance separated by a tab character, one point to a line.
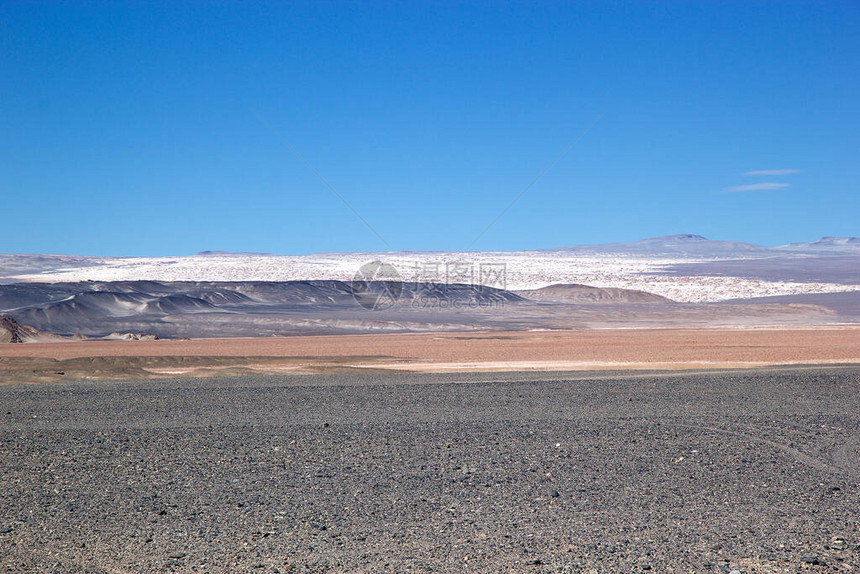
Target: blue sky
133	128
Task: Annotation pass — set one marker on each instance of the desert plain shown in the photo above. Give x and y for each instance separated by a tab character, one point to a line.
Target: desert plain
592	349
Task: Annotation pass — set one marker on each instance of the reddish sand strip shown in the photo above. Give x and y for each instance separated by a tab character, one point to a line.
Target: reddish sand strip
608	349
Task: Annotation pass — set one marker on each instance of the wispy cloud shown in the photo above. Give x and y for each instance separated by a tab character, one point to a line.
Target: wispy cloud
773	172
770	186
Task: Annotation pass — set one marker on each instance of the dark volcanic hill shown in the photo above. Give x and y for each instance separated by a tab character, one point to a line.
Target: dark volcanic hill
573	293
246	308
13	332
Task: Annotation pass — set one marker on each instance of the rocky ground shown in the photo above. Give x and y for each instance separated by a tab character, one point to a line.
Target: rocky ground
749	471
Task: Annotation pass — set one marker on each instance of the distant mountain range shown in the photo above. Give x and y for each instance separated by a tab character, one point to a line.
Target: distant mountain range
683	245
827	244
43	296
691	245
680	267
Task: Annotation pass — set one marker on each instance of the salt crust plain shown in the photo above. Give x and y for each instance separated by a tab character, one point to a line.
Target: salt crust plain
522	270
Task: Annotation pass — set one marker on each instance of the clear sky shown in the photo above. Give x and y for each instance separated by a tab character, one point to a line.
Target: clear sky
145	128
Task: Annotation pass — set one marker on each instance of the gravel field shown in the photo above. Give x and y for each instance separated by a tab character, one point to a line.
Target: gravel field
749	471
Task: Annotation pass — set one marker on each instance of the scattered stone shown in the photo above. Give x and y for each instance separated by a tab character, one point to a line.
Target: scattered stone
554	494
177	555
6	530
814	560
838	543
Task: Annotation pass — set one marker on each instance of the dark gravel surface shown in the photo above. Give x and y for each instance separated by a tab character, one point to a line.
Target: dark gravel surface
750	471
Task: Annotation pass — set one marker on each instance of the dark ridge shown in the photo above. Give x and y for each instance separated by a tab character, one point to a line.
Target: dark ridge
574	293
230	253
11	331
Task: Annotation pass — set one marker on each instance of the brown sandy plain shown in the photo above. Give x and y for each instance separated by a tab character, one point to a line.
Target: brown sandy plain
593	349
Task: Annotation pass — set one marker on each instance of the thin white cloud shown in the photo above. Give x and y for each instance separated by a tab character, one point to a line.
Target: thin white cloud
773	172
770	186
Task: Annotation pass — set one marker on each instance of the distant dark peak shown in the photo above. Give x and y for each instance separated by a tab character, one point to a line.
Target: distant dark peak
11	331
681	237
836	240
229	253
